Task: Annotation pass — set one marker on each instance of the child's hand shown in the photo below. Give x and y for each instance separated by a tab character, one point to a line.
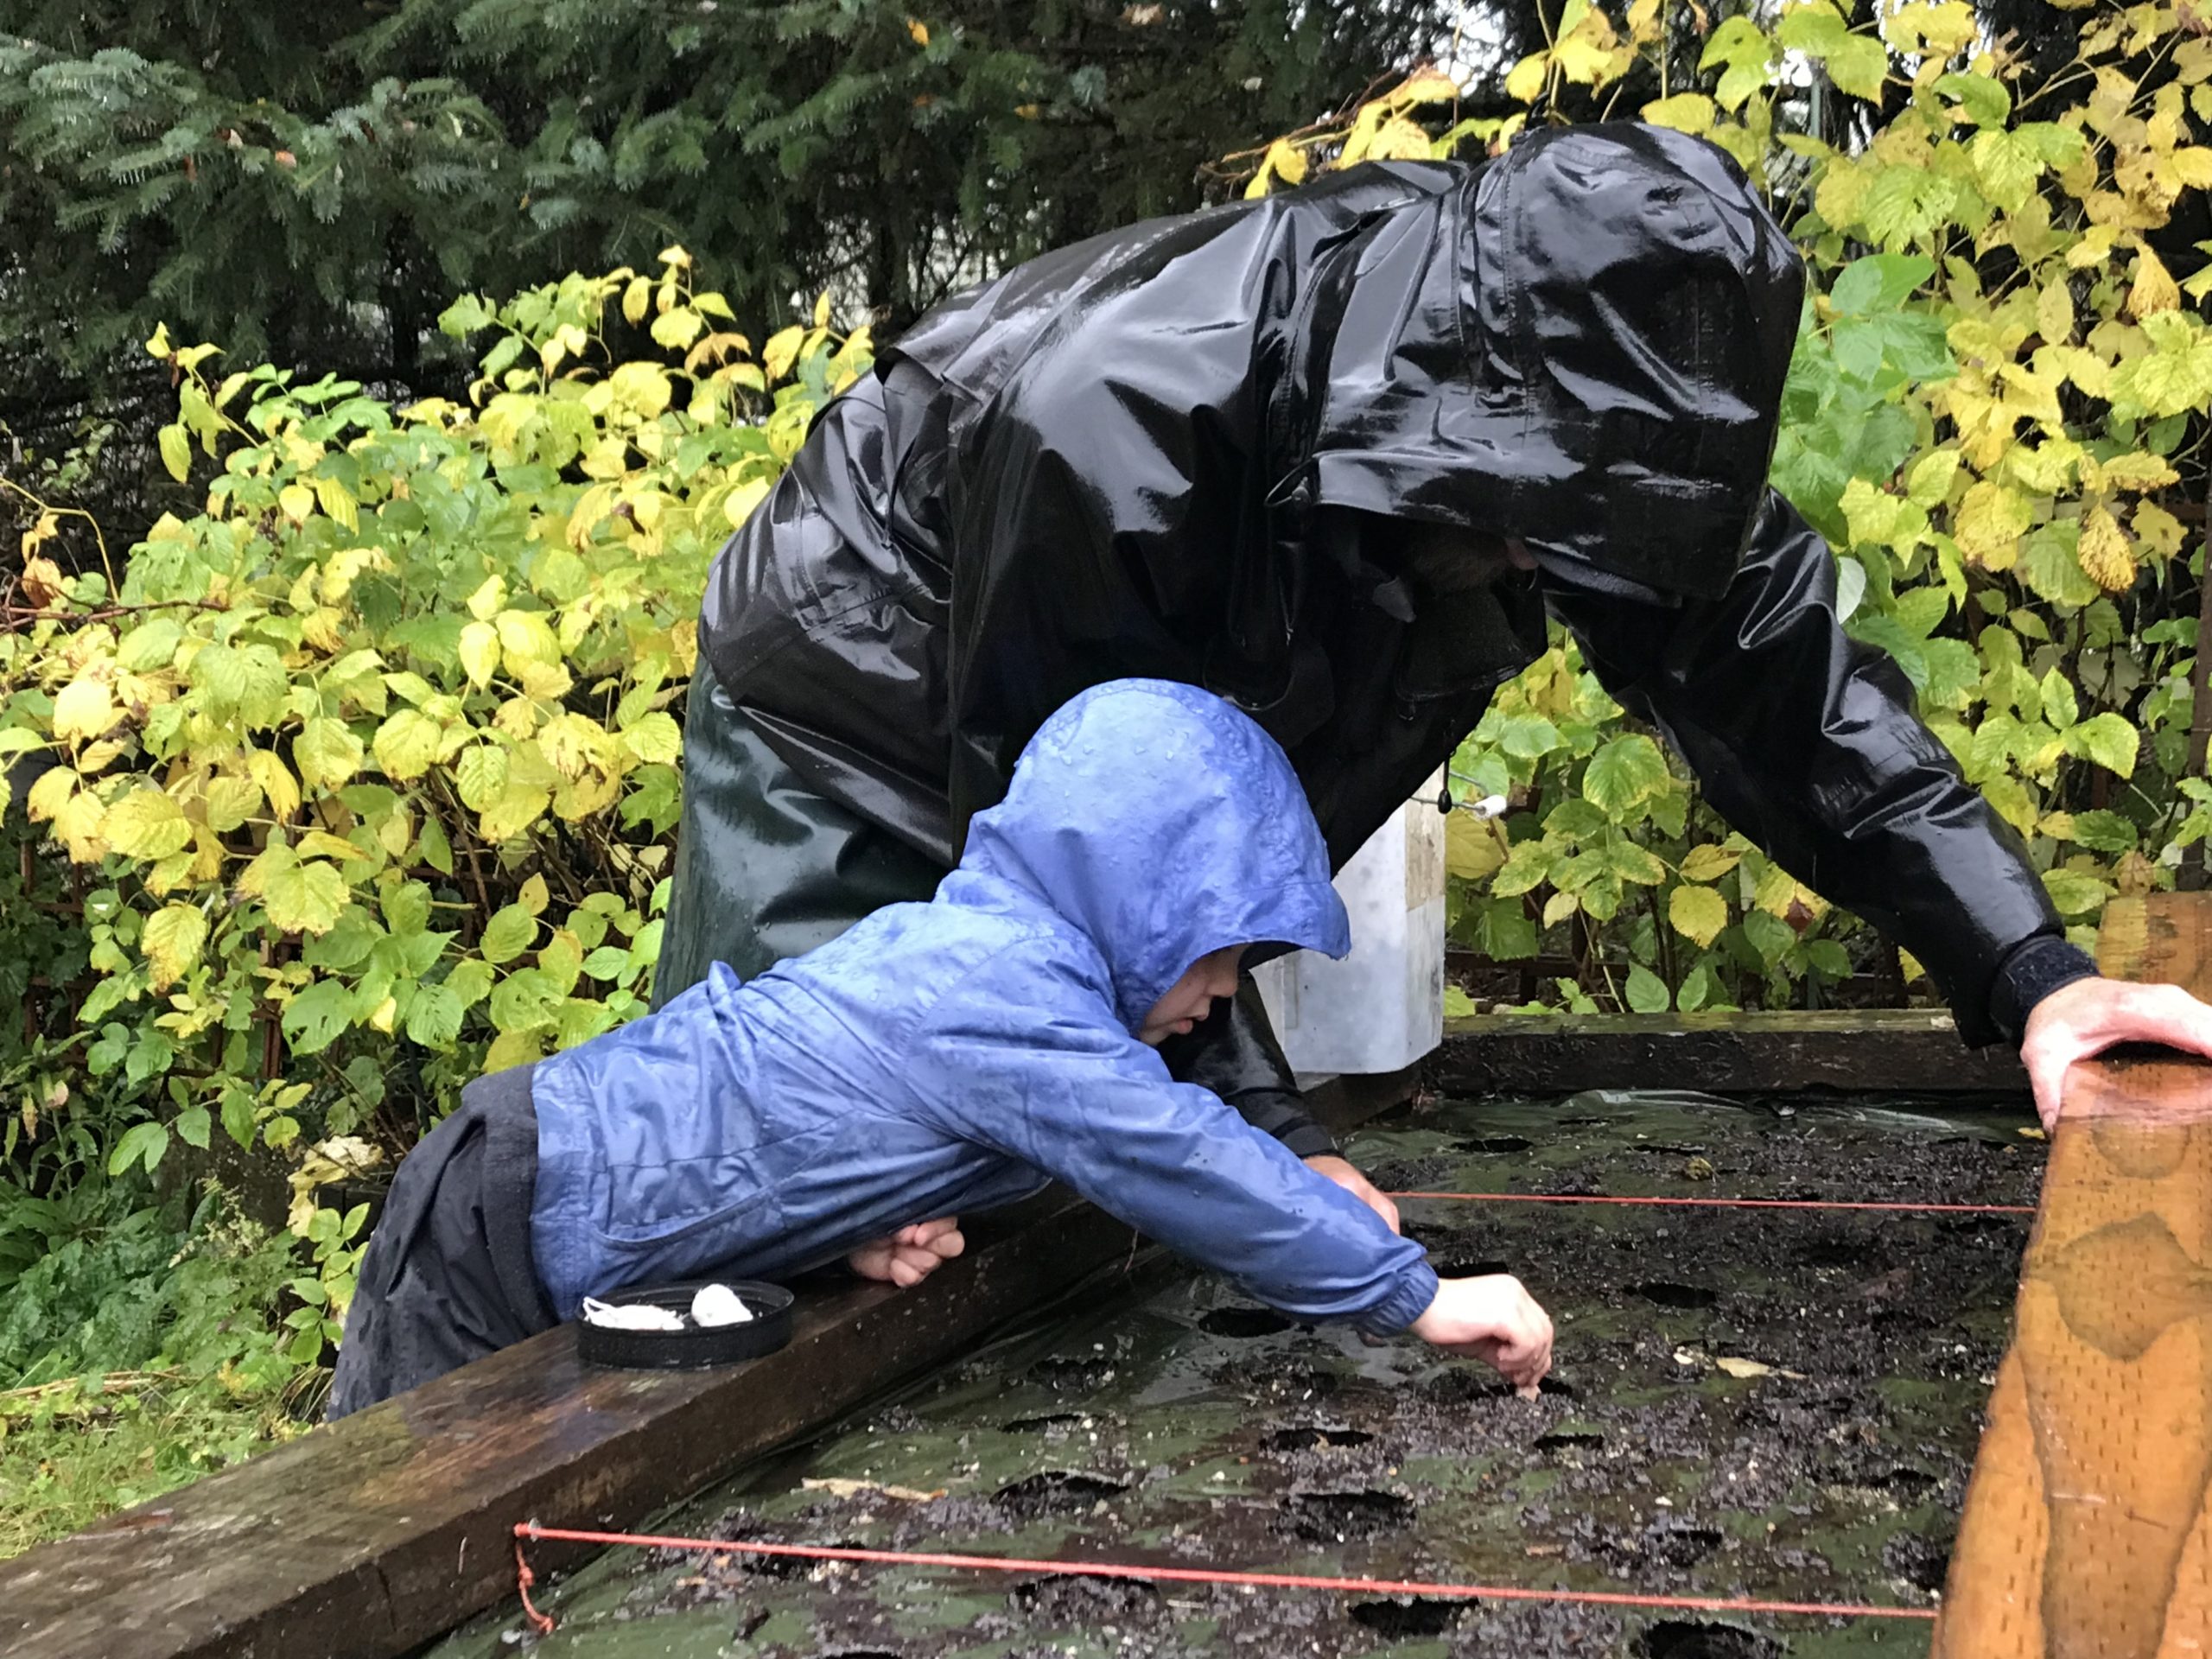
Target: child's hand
909	1254
1491	1319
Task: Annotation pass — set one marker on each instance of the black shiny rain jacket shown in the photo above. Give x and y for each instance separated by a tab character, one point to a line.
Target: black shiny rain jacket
1132	457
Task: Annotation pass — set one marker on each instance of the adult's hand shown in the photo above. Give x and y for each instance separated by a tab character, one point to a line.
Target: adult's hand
2090	1015
1340	1172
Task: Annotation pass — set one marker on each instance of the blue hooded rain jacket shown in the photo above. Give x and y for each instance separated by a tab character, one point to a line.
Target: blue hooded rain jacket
943	1058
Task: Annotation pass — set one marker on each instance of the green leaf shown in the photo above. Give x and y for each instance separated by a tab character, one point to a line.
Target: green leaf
2074	892
150	647
142	1143
1623	774
1646	992
1576	819
2102	831
2059	706
1699	987
314	1017
434	1017
1879	283
1983	97
2108	741
1504	931
193	1125
508	934
1527	737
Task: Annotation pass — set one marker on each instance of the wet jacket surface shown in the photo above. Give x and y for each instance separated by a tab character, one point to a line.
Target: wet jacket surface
942	1058
1162	451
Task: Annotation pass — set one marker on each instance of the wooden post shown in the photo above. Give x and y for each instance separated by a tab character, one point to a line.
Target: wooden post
2086	1534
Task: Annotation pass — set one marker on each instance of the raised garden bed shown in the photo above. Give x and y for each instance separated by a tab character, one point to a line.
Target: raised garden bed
1826	1461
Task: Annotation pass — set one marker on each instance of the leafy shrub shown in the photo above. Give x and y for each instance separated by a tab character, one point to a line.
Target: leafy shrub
1996	384
371	764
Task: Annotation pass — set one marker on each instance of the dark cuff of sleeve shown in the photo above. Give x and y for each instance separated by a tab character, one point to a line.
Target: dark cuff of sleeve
1278	1112
2035	968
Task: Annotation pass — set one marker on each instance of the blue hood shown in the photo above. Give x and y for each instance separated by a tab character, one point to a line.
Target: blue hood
1164	823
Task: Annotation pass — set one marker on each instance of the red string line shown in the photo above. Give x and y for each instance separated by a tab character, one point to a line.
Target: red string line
1197	1575
1725	1203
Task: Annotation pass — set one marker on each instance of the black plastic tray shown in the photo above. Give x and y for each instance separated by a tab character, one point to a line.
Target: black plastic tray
693	1348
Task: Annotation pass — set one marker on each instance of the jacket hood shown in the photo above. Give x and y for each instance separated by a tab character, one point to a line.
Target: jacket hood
1165	824
1583	345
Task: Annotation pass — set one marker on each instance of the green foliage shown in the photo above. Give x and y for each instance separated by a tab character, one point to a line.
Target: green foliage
378	747
1997	388
139	1348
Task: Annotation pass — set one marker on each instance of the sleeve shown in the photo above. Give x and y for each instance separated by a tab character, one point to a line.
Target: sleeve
1234	1054
1093	1107
1807	741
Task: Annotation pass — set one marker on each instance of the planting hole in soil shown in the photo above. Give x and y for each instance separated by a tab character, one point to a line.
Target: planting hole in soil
1668	1294
1400	1619
1344	1518
1245	1323
1686	1639
1056	1492
1317	1439
1155	1429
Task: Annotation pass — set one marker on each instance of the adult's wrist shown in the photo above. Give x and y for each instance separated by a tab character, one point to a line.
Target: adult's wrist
2032	971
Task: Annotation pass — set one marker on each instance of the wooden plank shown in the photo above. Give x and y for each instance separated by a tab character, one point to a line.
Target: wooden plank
1903	1050
2087	1533
369	1536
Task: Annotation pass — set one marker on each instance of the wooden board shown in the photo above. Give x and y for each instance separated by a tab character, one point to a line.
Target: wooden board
1903	1050
368	1537
2086	1534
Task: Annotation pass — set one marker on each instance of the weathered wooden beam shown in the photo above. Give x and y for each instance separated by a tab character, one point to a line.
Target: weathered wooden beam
2087	1533
1903	1050
368	1537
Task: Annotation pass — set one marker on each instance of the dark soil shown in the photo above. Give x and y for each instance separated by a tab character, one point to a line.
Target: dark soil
1197	1430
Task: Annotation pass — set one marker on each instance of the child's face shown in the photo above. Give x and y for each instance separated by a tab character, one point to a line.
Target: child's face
1191	998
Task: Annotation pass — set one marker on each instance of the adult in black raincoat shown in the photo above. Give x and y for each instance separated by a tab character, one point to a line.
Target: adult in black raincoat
1332	455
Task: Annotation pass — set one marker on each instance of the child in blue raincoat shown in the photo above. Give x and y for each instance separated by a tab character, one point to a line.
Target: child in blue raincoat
935	1059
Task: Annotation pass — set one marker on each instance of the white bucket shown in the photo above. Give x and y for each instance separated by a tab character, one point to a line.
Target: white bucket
1381	1007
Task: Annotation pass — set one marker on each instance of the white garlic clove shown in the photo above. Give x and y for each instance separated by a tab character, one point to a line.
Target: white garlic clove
631	1316
719	1305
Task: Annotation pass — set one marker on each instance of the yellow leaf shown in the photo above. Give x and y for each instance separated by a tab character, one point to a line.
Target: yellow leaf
304	898
2140	470
2157	530
738	504
1698	913
172	941
2195	166
176	451
2106	555
1559	907
323	843
1709	862
1473	849
50	794
489	599
1400	140
533	896
526	637
277	783
2055	312
514	809
1751	1368
1690	112
407	744
1991	520
479	653
296	502
230	801
146	824
2154	290
919	30
80	826
1526	83
1287	161
85	709
636	298
822	310
782	351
